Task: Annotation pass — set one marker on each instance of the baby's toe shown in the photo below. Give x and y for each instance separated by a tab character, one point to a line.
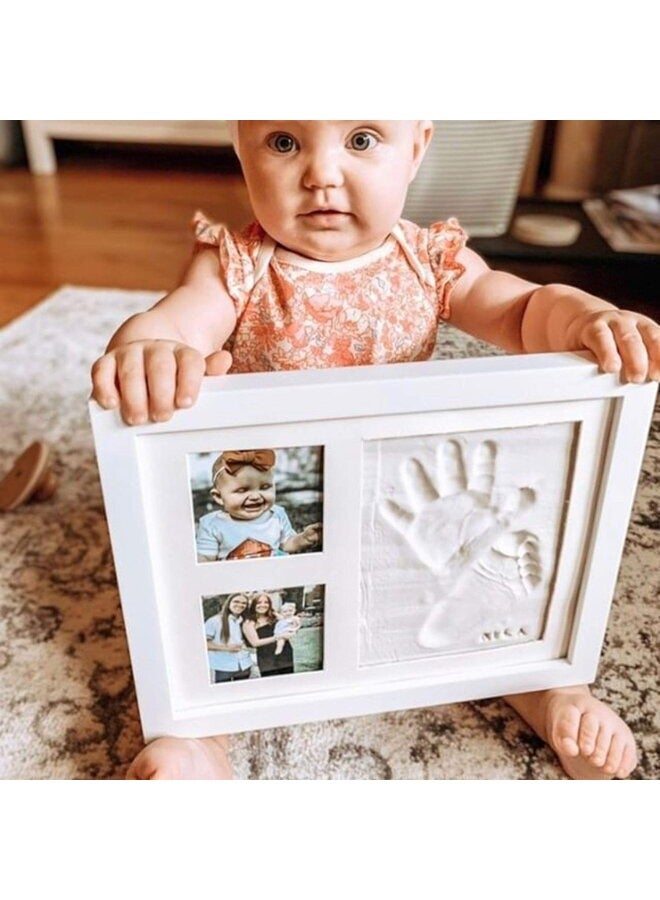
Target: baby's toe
159	760
142	768
615	755
602	747
565	731
588	736
628	761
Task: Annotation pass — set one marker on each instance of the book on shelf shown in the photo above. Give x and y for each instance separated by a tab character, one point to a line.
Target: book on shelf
629	220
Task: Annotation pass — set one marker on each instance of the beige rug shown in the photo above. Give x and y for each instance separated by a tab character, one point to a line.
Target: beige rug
66	695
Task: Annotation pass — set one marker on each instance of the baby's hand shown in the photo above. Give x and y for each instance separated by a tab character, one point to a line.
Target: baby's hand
622	341
311	535
150	379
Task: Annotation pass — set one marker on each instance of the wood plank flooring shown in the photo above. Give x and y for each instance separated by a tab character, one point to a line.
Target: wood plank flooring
104	227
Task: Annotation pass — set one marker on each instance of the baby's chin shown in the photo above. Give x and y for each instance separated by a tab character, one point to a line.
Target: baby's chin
330	245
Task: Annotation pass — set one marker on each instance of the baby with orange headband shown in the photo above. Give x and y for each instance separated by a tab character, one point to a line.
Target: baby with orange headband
249	523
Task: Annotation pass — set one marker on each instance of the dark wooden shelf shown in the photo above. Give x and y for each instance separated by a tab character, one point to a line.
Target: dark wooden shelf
631	280
589	247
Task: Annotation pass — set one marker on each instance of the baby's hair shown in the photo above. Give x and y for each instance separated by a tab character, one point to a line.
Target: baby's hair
232	461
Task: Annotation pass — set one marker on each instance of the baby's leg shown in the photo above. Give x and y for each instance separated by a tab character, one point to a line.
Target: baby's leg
183	759
279	646
589	738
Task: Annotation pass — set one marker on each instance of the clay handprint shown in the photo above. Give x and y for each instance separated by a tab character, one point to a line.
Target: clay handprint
462	527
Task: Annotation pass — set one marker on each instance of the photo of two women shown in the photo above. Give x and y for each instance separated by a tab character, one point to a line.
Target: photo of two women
257	634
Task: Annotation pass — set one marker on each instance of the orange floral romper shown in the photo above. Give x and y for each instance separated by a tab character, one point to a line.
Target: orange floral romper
299	313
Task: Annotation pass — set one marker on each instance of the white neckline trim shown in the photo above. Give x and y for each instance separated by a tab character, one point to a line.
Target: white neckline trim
343	265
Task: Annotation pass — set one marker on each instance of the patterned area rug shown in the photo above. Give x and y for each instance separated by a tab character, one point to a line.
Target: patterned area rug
66	694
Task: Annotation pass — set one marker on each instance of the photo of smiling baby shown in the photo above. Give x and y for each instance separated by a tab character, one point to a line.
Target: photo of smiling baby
257	503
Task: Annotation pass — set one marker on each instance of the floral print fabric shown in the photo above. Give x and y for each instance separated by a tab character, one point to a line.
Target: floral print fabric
296	313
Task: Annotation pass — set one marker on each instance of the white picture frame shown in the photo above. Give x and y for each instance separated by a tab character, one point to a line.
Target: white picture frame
558	525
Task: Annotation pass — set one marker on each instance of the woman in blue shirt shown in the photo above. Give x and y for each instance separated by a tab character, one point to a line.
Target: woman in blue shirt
229	658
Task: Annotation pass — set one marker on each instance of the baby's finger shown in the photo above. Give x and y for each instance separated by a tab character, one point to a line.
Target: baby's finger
132	385
632	350
218	363
189	374
598	338
104	389
160	374
651	336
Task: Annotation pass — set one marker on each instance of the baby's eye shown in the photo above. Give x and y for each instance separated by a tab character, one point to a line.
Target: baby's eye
266	487
282	142
362	140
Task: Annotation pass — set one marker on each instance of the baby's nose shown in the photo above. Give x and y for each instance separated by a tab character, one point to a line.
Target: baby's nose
323	169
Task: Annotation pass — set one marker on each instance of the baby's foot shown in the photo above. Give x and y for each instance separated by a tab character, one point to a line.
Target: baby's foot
183	759
590	739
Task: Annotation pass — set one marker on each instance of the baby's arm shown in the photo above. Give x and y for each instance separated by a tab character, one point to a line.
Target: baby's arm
523	317
250	632
290	623
155	362
308	537
206	541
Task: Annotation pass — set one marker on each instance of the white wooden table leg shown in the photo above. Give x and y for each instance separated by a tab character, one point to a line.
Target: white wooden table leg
39	146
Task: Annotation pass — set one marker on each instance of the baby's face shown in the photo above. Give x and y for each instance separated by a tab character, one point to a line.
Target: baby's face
247	494
330	190
287	610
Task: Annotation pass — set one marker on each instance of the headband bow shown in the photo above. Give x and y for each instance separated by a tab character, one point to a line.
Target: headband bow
233	460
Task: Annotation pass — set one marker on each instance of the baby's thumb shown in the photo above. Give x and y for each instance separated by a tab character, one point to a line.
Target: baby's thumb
218	362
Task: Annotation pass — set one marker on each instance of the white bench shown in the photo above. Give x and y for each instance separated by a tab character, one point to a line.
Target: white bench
39	135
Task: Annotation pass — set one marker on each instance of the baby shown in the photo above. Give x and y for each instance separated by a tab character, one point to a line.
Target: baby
249	523
287	620
329	275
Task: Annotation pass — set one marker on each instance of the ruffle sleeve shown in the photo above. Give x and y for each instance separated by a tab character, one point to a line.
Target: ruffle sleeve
237	253
445	241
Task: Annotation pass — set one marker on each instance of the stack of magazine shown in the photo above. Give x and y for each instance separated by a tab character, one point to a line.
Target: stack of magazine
629	220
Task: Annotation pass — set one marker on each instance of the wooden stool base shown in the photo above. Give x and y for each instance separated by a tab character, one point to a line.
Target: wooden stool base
30	478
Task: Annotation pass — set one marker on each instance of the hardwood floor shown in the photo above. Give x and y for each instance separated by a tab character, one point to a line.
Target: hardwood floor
104	227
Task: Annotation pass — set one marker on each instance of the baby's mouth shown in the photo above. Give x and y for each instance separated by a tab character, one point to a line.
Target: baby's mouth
321	212
253	505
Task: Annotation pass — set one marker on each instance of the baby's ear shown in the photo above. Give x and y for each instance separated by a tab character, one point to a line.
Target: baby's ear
423	135
216	496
